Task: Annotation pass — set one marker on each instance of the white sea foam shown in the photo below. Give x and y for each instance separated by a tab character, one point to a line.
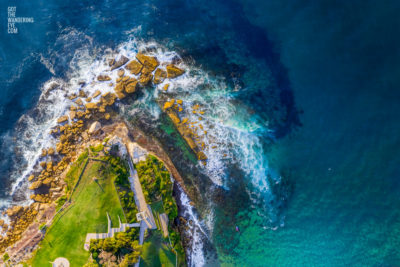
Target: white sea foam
198	232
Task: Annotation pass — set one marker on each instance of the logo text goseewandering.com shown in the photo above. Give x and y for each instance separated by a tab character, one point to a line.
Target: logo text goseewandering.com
13	20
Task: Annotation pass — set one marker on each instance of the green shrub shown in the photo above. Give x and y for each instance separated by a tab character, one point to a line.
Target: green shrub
123	244
60	202
42	226
6	257
156	184
97	148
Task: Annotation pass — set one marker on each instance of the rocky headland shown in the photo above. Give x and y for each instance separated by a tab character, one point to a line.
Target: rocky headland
91	118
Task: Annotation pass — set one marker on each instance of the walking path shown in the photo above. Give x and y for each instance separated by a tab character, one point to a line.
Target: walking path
145	215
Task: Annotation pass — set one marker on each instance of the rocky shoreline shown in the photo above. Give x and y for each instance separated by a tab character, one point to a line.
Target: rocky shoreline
75	131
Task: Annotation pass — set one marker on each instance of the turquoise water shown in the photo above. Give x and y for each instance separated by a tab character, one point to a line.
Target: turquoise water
344	160
302	97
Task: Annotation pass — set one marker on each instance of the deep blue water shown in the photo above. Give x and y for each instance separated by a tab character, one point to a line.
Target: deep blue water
320	79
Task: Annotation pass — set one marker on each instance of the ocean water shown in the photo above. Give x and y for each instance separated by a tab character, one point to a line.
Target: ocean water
301	105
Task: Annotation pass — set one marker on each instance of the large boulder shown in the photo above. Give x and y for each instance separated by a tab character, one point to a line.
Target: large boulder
169	104
103	78
82	93
50	151
91	106
79	102
148	62
14	211
119	87
130	87
159	76
175	119
121	72
134	66
108	99
173	71
115	64
44	153
120	95
96	94
62	119
145	78
40	198
35	185
95	127
72	115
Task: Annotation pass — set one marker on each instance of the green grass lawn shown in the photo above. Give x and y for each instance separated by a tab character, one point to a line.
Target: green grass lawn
156	251
90	203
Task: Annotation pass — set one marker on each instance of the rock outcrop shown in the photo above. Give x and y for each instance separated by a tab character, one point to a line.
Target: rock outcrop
91	106
173	71
159	76
148	62
94	128
103	78
119	63
62	119
134	66
96	94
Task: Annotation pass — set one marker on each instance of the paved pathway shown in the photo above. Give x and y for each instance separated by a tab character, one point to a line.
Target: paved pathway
136	187
136	154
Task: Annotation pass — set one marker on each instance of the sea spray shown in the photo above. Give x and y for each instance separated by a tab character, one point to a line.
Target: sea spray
196	233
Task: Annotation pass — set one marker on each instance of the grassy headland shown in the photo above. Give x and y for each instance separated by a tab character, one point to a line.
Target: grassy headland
94	196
